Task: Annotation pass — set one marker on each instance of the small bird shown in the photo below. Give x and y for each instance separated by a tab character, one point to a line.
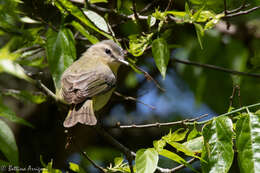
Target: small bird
88	83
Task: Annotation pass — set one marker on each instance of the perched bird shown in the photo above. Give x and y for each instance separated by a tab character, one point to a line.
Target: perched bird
88	83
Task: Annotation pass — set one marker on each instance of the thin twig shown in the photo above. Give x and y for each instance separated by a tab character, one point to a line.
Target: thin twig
242	12
165	170
48	24
134	99
149	77
213	67
135	11
103	170
159	124
146	8
238	9
168	5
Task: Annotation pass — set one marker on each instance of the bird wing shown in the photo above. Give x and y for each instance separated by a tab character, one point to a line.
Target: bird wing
78	87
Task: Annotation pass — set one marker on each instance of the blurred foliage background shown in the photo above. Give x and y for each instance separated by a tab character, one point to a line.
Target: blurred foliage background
36	120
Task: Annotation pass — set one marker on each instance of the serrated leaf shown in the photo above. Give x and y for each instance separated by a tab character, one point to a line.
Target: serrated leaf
7	143
195	144
138	44
77	12
178	135
10	115
146	160
248	143
200	33
61	53
159	145
161	55
218	146
97	20
84	32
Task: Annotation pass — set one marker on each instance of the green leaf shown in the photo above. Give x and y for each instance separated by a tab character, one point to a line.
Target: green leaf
146	160
97	20
195	144
84	32
76	12
48	168
200	33
176	158
138	44
7	143
118	161
98	1
61	53
161	55
210	24
193	134
248	143
118	4
76	168
159	145
13	68
10	115
178	135
218	147
37	98
184	149
151	21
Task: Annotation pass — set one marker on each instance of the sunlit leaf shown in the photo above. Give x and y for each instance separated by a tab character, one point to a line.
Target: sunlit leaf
138	44
146	160
76	168
218	146
159	145
61	53
248	143
27	19
195	144
97	20
151	21
194	133
98	1
13	68
84	32
10	115
161	55
7	144
177	135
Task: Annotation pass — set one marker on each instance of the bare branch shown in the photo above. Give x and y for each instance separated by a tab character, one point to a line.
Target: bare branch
135	11
134	126
168	5
213	67
239	13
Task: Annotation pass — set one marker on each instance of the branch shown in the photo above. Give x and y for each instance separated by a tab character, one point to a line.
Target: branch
134	99
103	170
135	11
213	67
242	12
158	125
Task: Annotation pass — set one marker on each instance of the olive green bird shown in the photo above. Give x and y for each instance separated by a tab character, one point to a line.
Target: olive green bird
88	83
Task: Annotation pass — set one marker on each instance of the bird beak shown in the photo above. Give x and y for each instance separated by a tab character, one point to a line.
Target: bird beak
123	61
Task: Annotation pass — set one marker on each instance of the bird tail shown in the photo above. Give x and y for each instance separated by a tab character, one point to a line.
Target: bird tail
82	113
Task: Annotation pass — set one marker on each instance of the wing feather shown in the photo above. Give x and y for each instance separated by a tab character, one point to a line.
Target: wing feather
78	87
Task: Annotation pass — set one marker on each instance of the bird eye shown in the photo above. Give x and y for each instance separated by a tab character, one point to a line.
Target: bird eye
108	51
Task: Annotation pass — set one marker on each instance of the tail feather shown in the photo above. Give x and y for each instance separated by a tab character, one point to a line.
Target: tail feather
82	113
